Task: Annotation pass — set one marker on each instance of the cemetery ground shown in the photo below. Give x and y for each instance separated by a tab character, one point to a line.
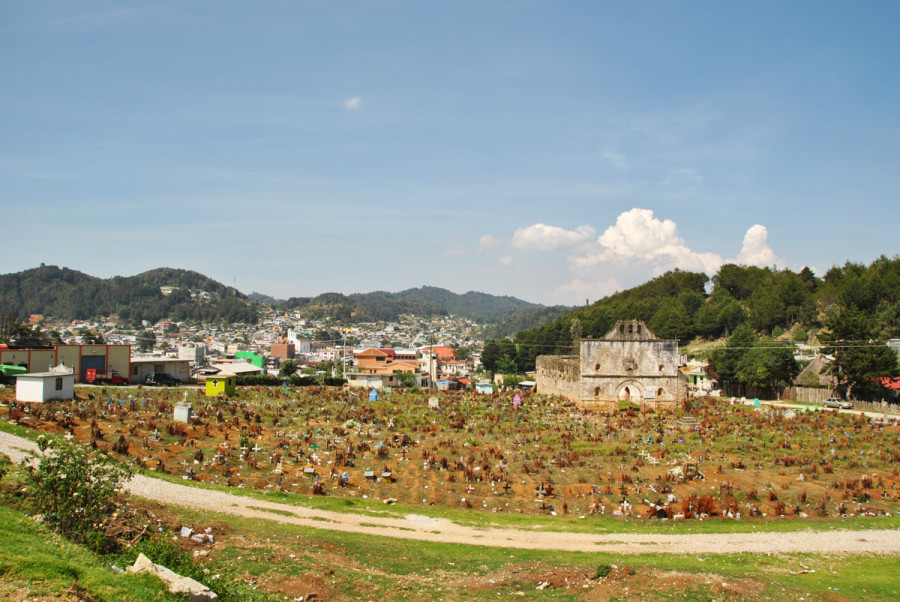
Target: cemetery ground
543	466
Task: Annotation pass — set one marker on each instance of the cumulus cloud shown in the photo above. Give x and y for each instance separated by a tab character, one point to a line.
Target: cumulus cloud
506	261
488	242
353	103
637	247
541	237
638	236
756	249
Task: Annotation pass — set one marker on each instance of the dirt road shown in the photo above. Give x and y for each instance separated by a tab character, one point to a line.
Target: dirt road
423	528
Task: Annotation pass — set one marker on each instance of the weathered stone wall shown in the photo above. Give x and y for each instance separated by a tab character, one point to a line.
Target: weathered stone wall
628	363
629	369
558	375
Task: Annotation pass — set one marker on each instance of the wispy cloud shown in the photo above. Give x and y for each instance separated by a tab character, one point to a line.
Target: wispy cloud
351	104
616	158
488	242
453	247
579	289
104	18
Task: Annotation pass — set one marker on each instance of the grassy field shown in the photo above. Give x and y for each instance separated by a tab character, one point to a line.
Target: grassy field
37	564
269	561
758	457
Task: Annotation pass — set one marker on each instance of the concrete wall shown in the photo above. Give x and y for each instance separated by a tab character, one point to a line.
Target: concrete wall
141	368
43	388
194	353
102	357
282	350
109	357
37	360
558	375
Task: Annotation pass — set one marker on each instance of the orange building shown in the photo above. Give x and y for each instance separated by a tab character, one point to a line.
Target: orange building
383	361
442	353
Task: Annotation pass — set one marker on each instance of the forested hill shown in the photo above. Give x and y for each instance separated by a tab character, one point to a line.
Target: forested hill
70	294
425	301
173	294
677	305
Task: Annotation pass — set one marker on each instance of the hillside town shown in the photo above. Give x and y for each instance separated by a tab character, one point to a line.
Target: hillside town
441	352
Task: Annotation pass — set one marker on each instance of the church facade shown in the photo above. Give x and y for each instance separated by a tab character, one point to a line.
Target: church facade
629	363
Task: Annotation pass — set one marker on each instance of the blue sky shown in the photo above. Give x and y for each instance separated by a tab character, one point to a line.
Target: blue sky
556	152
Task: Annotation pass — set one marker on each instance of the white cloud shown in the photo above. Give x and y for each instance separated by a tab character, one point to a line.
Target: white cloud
353	103
687	176
756	249
638	236
638	247
506	261
454	248
541	237
488	242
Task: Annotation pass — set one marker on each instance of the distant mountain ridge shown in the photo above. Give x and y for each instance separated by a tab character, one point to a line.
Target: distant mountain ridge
425	301
167	293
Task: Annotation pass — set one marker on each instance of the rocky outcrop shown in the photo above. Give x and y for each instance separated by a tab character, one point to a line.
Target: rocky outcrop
177	584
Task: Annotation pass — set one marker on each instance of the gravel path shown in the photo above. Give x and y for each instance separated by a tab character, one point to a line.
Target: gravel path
423	528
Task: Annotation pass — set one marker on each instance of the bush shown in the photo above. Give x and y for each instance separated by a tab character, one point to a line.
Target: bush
603	571
75	489
268	380
161	549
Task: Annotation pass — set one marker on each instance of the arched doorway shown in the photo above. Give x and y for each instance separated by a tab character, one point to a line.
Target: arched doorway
630	391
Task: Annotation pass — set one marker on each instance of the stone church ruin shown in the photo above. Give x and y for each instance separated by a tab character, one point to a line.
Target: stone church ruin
629	363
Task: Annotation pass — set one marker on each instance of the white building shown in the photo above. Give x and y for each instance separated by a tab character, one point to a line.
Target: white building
301	343
194	353
57	383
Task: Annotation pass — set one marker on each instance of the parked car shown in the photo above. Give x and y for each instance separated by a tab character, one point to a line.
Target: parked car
162	379
834	402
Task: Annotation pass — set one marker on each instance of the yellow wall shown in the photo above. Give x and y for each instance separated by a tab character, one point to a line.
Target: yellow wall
117	357
216	385
37	360
120	359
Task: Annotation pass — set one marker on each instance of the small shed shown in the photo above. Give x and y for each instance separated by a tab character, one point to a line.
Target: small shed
57	383
221	383
484	388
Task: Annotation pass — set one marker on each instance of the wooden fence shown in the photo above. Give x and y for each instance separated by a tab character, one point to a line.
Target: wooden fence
877	406
807	394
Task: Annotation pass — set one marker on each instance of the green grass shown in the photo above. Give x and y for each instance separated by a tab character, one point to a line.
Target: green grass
264	558
357	565
36	561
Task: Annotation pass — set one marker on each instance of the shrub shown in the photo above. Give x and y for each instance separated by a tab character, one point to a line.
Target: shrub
75	489
602	571
269	380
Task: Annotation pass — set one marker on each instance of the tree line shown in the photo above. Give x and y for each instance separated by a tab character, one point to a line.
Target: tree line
852	310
